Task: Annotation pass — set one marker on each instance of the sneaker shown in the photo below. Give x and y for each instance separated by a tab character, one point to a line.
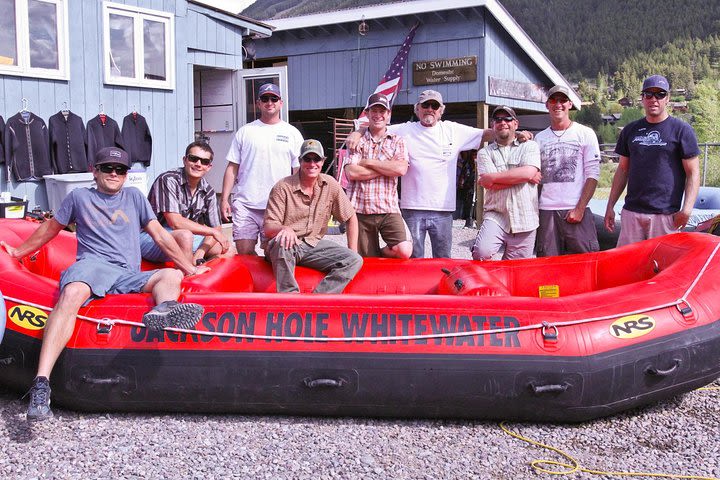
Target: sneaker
173	314
39	406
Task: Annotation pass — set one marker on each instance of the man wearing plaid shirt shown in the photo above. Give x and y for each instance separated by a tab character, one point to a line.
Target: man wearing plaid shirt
186	205
510	172
374	168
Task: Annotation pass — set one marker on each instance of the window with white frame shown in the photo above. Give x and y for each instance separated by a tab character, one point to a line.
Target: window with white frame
34	38
139	46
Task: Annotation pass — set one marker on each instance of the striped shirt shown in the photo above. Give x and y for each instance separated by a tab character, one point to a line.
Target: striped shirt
170	193
377	195
514	208
307	216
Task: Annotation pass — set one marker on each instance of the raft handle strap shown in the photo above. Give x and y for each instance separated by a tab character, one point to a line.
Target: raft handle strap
115	380
104	328
685	309
324	382
7	360
553	388
656	372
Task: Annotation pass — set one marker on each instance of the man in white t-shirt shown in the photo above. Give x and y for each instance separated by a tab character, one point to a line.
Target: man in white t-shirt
570	159
427	198
262	153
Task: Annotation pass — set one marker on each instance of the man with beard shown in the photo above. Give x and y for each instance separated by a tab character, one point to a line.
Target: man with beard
510	172
570	159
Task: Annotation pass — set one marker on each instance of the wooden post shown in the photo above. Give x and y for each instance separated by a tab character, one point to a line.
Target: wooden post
483	121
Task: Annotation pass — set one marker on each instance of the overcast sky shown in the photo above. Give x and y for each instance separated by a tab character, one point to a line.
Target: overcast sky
232	6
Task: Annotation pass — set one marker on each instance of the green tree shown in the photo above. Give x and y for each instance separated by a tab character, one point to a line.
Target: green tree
590	116
607	133
630	114
705	109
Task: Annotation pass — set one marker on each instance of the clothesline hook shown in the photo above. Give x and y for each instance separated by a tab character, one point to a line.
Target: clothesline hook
24	104
65	105
102	110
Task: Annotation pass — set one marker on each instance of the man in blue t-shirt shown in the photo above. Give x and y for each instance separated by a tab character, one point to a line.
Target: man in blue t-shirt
108	219
659	164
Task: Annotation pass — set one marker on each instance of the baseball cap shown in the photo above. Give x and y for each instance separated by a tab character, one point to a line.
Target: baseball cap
506	109
427	95
378	99
312	146
656	81
112	155
559	89
269	89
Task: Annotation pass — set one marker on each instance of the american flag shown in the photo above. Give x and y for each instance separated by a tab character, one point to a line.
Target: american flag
391	82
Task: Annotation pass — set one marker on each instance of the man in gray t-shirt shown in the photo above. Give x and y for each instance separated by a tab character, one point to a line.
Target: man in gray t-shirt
108	219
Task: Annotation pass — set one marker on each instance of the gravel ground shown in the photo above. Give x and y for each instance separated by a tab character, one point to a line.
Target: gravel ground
679	436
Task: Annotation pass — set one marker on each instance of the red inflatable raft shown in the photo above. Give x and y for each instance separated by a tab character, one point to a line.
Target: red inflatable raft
559	339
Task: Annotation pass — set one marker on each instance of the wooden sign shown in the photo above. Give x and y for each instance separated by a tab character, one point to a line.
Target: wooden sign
500	87
445	70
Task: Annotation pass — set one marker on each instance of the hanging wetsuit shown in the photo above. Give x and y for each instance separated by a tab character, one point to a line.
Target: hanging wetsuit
137	138
26	147
67	143
102	131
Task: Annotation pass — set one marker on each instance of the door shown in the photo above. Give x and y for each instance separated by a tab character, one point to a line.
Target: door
248	83
224	102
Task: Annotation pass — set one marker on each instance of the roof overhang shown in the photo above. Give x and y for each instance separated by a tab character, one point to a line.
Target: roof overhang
251	27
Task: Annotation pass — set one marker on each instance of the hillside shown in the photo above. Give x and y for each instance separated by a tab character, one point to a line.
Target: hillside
581	37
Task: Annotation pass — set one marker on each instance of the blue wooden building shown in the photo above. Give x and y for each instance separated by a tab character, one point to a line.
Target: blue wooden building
172	61
332	67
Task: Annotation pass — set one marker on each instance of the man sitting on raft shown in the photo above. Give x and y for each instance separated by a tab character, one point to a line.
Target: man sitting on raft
296	220
108	219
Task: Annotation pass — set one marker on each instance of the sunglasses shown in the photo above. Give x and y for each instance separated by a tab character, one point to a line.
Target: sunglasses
433	105
312	159
269	98
194	159
659	95
507	119
119	169
554	100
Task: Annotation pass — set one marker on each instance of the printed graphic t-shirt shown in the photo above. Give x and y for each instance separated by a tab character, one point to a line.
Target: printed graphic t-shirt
108	226
656	177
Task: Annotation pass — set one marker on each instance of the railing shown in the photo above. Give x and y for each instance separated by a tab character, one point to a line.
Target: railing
709	161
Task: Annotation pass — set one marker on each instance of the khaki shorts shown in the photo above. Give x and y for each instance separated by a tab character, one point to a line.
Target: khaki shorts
636	227
390	226
247	222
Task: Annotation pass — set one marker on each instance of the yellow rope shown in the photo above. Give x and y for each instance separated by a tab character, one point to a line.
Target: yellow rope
543	466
